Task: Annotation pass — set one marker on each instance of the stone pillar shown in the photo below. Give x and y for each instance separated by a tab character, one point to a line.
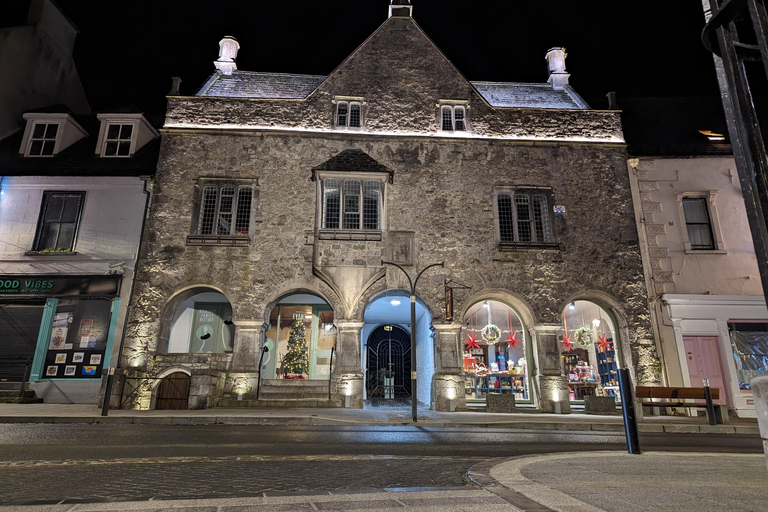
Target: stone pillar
347	373
552	392
448	380
760	391
245	353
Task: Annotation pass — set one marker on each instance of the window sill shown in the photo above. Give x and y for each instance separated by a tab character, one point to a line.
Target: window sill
50	253
349	234
706	251
548	247
219	240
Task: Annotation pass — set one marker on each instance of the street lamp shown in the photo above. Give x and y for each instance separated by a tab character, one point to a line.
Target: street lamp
414	399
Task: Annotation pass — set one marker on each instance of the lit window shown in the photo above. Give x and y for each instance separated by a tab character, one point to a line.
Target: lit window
524	217
698	223
118	140
453	118
348	114
59	219
225	210
43	139
360	200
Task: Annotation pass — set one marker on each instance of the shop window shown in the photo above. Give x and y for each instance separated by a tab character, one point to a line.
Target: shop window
202	324
300	339
524	218
224	215
59	219
78	339
117	142
589	351
349	114
749	342
351	208
495	345
453	118
42	140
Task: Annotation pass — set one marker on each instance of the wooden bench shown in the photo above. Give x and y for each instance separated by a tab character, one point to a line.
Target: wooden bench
657	396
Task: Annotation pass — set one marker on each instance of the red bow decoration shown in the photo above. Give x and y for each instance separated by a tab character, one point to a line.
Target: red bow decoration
603	342
472	342
512	340
567	343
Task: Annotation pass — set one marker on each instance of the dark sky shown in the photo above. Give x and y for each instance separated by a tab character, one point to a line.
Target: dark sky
127	51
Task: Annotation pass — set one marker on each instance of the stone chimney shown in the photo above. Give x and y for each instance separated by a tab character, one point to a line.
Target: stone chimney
175	84
228	48
612	103
400	8
556	64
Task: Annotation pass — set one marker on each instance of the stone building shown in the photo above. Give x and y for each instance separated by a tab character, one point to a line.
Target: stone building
706	296
279	197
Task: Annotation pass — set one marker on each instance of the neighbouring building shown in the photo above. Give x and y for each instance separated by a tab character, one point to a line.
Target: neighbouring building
704	284
280	196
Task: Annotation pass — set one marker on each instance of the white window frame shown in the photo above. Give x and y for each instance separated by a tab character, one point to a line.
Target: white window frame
714	223
31	139
349	103
131	141
453	106
512	192
342	232
41	223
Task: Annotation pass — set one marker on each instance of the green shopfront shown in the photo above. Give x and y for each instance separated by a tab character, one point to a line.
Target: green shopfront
57	328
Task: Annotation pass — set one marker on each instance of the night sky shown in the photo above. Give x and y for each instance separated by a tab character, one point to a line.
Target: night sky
127	51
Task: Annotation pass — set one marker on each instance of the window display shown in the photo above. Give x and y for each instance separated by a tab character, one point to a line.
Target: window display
589	358
750	351
494	352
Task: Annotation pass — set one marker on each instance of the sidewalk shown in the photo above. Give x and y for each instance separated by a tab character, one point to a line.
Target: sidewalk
373	416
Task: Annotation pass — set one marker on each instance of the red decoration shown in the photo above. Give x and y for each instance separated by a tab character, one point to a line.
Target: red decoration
567	343
512	340
472	342
603	342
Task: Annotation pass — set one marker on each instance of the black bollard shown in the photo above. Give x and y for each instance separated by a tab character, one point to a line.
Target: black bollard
107	391
710	404
628	410
264	350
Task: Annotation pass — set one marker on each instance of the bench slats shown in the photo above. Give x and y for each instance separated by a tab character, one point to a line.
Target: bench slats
678	393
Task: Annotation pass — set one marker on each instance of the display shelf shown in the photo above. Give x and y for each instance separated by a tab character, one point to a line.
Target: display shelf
478	386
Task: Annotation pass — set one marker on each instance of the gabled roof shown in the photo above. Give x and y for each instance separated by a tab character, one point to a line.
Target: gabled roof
670	126
527	95
251	84
352	160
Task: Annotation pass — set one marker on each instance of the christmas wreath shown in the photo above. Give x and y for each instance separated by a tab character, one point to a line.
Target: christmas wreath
583	336
491	333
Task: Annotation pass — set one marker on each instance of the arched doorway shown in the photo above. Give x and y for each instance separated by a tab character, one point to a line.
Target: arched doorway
173	392
201	324
389	363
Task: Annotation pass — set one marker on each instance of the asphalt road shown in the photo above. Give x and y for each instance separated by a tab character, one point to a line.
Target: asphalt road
51	463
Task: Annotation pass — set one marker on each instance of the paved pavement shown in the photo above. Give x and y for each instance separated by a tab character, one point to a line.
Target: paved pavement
567	482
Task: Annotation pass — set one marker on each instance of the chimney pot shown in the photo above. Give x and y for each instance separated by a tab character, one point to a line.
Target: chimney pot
400	8
612	103
175	84
228	48
558	77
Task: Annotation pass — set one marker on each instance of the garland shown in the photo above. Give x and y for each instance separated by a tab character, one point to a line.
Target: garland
583	336
491	333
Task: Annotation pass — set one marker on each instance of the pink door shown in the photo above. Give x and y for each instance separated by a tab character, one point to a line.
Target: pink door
703	359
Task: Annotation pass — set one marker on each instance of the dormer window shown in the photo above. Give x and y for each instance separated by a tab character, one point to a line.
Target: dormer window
349	114
118	140
453	118
42	142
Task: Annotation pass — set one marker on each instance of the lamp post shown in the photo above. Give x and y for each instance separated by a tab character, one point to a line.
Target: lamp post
414	399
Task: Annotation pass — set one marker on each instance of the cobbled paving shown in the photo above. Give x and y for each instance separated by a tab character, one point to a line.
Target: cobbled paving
39	482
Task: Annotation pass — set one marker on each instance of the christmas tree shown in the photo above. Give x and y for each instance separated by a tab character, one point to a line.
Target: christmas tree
295	359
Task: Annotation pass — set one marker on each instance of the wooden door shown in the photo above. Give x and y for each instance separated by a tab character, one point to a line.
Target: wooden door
703	360
173	392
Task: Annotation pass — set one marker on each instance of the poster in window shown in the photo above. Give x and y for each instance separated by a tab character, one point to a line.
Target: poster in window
69	370
58	338
89	371
78	357
61	358
96	359
85	327
212	329
51	371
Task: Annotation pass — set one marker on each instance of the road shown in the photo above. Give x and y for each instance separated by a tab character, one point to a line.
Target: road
49	463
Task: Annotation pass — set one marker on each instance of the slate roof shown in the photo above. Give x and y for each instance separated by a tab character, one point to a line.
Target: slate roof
79	159
527	95
670	126
251	84
352	160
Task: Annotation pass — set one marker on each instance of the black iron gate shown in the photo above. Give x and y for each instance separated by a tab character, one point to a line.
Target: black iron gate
388	372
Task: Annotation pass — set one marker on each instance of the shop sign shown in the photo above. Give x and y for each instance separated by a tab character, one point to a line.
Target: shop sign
59	285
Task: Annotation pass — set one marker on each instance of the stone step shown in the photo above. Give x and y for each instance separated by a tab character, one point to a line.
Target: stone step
288	394
10	385
17	400
284	403
14	393
304	384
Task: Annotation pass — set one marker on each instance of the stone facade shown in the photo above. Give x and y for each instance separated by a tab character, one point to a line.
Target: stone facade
439	198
